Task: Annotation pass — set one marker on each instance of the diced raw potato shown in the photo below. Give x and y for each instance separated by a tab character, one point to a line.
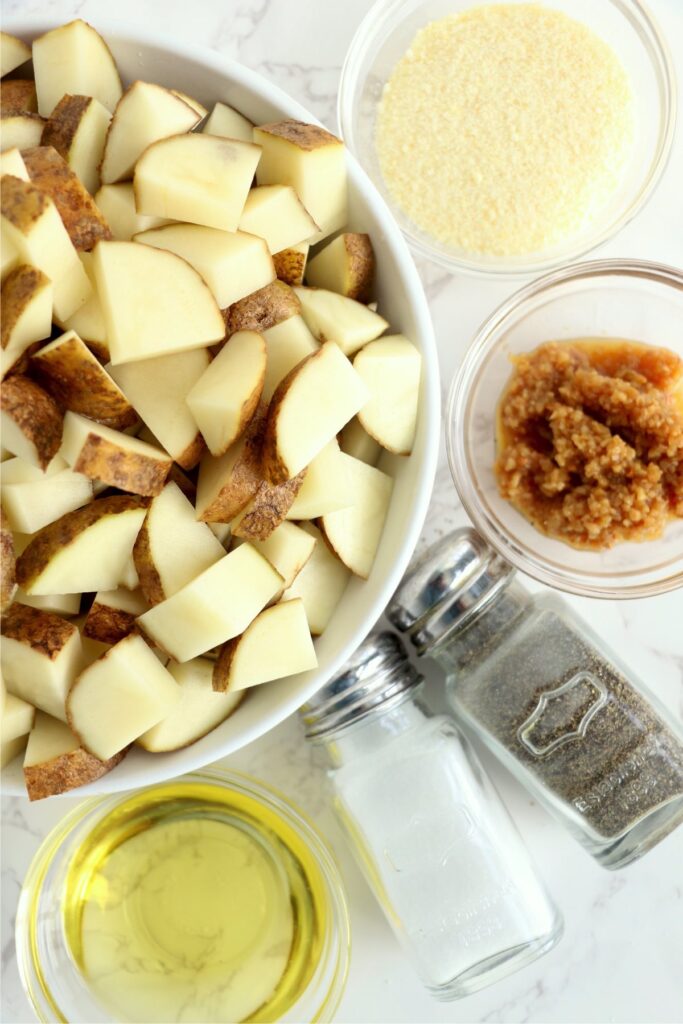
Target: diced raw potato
262	309
8	568
10	749
354	533
129	575
333	317
60	604
308	409
290	264
227	484
198	107
287	343
32	224
320	584
117	203
74	59
13	53
52	175
232	263
120	696
346	265
9	259
172	548
216	606
325	487
276	644
225	397
41	656
145	114
313	162
225	121
25	312
17	717
77	128
83	551
202	179
117	459
356	441
157	389
32	498
222	531
11	162
20	130
68	370
154	303
276	213
112	615
55	762
187	486
88	321
198	711
31	421
287	549
391	370
18	95
267	509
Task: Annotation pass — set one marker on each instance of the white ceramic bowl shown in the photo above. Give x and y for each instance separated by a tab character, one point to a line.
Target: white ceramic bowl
208	77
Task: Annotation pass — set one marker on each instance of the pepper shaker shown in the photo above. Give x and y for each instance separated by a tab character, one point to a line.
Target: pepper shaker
558	708
427	827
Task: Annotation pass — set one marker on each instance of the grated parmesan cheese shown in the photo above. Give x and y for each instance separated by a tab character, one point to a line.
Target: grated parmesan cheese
506	129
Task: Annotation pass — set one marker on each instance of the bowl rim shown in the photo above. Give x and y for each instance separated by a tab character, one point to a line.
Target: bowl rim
461	390
653	42
157	767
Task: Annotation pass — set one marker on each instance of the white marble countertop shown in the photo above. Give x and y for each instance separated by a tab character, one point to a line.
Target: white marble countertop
620	959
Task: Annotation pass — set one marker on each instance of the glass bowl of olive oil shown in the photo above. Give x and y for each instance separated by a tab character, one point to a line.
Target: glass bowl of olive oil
205	898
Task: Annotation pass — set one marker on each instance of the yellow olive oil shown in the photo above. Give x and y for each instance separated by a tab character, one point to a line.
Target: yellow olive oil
191	902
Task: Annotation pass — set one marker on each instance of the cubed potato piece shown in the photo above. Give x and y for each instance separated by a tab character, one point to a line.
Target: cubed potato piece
31	222
68	370
202	179
157	389
113	614
275	213
290	264
119	697
222	531
391	369
154	303
346	265
215	606
11	162
84	551
74	59
354	533
117	203
309	408
287	549
325	487
356	441
129	575
81	217
267	509
113	457
287	344
225	397
55	762
199	710
198	107
172	548
145	114
333	317
313	161
41	656
60	604
224	120
226	485
17	718
262	309
8	568
33	498
320	584
11	749
20	131
31	421
13	53
77	129
276	644
25	312
17	96
232	263
88	321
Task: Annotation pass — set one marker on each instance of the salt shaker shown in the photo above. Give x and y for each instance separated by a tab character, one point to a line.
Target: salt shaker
427	827
531	678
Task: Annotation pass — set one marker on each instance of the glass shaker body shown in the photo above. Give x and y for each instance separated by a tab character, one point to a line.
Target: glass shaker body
438	848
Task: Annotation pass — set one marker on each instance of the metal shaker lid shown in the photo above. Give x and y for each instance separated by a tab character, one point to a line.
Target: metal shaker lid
378	675
456	578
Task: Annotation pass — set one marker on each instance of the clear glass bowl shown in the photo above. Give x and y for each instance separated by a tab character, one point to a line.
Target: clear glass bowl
58	989
631	299
388	30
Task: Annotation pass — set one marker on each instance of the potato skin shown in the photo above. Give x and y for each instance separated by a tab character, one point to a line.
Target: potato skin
150	581
220	677
66	772
262	309
44	632
361	266
108	625
82	219
63	123
245	477
8	565
270	505
18	96
21	203
189	458
101	459
300	134
36	414
18	289
290	265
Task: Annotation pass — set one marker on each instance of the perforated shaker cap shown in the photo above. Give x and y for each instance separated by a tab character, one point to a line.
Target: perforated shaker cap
457	577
